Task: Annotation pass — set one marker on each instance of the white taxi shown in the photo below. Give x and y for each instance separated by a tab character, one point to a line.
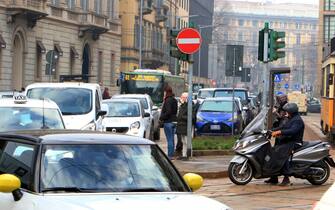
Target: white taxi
20	113
68	170
126	116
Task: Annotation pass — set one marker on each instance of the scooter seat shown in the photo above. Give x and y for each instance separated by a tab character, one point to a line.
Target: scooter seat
306	144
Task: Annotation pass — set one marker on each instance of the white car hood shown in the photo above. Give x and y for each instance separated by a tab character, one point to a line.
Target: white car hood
145	201
120	121
76	121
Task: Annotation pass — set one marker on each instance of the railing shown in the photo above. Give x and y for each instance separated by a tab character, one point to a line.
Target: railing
29	4
91	18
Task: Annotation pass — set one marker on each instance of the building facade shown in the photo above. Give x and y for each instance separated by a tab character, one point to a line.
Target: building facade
85	36
201	14
159	16
239	23
326	33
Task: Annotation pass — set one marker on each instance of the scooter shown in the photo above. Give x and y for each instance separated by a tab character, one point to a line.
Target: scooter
311	161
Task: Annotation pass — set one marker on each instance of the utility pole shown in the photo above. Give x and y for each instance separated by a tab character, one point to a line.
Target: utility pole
233	108
189	107
140	36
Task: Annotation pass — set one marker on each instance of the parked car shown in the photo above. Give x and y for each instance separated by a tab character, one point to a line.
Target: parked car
87	170
314	106
80	103
205	93
20	113
148	107
127	116
254	106
215	117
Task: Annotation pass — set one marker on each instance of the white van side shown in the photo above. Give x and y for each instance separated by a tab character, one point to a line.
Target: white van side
80	103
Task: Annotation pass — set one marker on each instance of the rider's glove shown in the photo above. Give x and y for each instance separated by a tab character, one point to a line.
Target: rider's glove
276	133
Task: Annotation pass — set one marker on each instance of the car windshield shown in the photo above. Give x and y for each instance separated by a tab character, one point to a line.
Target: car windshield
205	93
108	168
216	106
123	109
71	101
142	100
229	93
26	118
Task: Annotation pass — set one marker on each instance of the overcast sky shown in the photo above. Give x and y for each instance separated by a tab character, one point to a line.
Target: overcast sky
288	1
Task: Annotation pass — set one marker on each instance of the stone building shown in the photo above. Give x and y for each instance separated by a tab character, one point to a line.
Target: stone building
84	34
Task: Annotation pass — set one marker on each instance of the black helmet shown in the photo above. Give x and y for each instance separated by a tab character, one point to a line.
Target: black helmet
291	108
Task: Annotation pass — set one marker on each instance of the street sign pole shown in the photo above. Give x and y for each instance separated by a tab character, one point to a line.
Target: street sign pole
265	59
189	108
188	42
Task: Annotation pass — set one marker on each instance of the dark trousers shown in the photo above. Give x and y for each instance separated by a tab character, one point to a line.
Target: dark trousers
179	146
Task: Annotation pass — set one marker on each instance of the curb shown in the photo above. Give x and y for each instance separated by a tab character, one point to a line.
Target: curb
208	175
212	152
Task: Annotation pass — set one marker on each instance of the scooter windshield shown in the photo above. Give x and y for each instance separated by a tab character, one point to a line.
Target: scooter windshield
257	125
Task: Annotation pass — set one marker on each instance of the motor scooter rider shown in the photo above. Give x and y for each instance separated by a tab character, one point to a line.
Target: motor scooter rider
290	137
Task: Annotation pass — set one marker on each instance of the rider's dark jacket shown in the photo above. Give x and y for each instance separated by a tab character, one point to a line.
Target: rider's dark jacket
292	130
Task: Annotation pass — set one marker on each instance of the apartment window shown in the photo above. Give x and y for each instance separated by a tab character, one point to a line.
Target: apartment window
137	35
113	69
55	2
226	36
73	56
254	37
240	36
240	22
71	4
298	39
40	50
329	5
255	23
98	6
84	5
111	8
329	28
100	66
59	53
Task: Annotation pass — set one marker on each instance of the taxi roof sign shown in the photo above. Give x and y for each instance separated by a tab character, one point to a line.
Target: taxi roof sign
20	99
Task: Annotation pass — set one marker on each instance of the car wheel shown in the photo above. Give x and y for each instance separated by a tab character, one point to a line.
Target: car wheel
151	135
157	134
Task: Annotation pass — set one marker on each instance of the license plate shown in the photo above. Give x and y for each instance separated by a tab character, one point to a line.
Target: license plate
215	127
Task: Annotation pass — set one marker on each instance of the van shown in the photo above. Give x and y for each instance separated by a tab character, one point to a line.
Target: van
300	99
80	103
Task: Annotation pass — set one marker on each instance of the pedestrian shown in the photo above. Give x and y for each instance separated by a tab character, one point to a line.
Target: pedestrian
291	138
169	117
181	129
105	94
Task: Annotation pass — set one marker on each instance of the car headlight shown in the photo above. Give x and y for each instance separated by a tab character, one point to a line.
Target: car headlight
231	119
135	125
199	119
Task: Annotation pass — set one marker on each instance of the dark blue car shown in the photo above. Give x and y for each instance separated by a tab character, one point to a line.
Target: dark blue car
215	117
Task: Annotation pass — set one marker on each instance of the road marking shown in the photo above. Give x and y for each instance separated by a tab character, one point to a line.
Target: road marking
188	41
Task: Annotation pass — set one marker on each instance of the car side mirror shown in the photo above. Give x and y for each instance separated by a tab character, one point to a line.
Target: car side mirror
146	114
104	108
154	108
11	184
194	181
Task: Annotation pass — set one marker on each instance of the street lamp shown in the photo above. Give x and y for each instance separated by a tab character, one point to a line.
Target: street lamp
140	37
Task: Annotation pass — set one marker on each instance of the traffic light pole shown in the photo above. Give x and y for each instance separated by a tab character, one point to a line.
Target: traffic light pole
189	108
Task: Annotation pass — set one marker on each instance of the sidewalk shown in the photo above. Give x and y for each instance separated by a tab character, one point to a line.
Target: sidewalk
206	166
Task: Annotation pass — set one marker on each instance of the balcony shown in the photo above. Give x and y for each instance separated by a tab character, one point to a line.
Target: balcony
162	14
94	24
147	7
31	10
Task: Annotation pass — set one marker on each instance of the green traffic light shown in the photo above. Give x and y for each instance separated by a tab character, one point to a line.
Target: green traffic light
276	44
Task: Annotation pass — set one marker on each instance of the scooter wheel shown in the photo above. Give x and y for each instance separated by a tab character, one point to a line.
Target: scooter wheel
236	177
320	179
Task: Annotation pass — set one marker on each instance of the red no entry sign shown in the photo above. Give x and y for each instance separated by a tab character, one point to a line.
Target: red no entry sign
189	40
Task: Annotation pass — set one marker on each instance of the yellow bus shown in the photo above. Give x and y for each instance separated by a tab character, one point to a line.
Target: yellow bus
327	98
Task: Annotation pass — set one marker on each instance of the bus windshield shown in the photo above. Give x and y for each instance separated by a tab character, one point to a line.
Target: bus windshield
144	84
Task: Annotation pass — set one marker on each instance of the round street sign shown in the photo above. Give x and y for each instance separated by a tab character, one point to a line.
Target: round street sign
189	40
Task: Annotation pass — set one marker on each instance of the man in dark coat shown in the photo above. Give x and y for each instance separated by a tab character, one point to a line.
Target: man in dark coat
290	137
168	118
182	126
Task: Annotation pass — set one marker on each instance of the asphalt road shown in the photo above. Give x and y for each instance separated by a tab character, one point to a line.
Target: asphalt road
260	196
